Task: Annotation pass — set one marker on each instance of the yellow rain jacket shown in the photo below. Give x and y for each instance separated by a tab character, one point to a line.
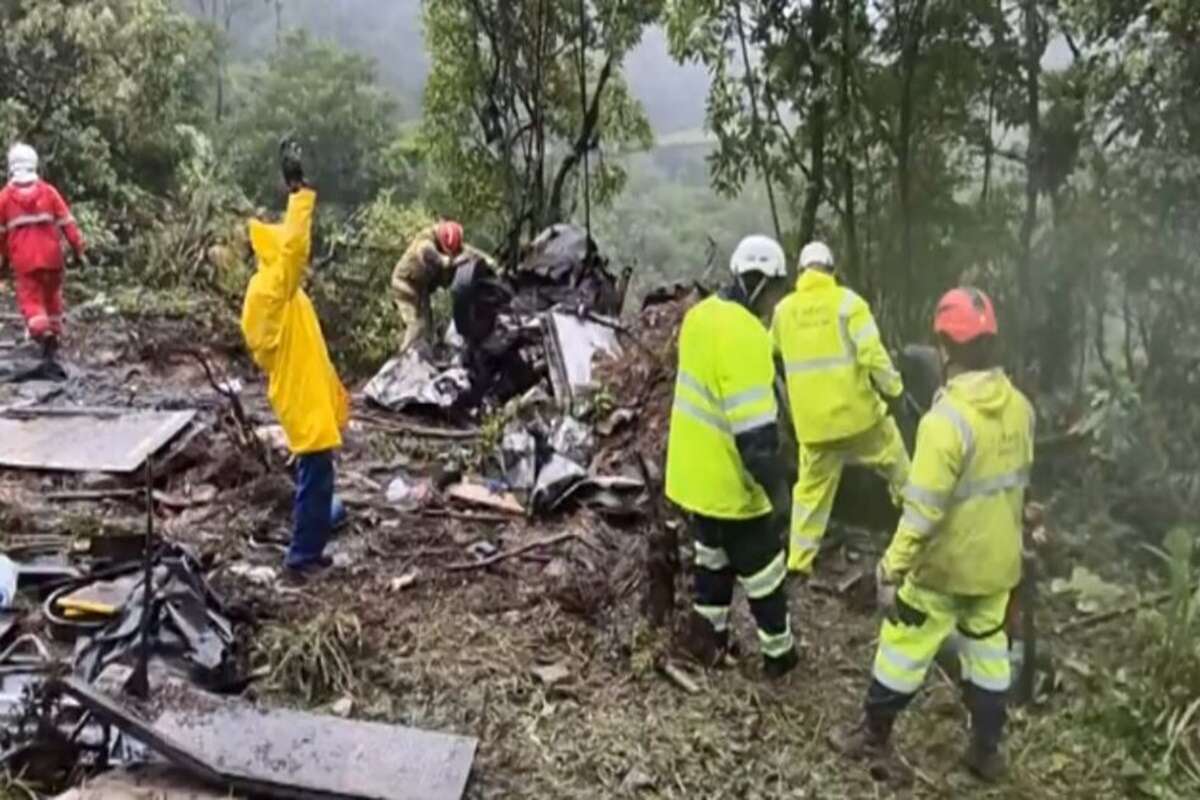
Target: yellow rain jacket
284	336
723	388
961	529
831	352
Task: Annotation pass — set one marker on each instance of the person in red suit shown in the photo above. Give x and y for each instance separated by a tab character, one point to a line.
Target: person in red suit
33	219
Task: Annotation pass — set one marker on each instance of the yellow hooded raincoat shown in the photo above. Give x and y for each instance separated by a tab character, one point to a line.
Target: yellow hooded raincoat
284	336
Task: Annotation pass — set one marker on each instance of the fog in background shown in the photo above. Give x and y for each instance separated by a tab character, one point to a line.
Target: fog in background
390	32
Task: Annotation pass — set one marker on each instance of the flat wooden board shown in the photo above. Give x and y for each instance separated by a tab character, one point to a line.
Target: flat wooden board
477	495
89	440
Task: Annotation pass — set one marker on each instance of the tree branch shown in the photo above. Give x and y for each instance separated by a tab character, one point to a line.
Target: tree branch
584	141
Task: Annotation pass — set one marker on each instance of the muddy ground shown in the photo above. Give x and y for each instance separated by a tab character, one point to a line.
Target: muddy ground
544	657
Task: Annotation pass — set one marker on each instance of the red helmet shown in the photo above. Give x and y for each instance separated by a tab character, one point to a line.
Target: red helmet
965	314
449	236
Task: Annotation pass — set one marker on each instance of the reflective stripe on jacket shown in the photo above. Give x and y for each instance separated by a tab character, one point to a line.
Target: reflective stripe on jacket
284	336
834	360
723	388
961	528
34	218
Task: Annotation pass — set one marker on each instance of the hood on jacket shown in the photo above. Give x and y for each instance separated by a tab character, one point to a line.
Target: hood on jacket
987	391
811	279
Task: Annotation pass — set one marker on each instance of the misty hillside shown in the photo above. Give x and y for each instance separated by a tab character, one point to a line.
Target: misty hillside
390	32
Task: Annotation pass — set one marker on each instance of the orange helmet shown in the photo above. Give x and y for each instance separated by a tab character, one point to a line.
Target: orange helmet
449	235
965	314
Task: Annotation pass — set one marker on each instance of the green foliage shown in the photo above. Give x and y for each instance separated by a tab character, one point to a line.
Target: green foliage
101	88
173	244
1153	699
504	122
318	661
353	294
330	100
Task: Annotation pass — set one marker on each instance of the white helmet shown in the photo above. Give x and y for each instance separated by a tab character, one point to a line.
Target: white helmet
22	164
759	254
816	254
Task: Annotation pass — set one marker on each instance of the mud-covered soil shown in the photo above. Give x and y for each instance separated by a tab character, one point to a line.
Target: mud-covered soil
543	657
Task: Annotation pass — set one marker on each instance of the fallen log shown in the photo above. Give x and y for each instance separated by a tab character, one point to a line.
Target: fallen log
678	677
438	513
507	554
93	494
1100	617
420	431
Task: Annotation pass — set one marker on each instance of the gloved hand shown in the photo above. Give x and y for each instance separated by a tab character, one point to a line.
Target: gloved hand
895	405
81	261
885	593
291	164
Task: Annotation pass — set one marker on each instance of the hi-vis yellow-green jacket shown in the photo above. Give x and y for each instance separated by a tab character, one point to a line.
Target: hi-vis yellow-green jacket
961	529
831	353
723	389
284	336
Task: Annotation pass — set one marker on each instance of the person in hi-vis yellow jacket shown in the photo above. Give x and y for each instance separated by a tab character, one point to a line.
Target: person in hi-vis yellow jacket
284	338
723	465
956	553
840	385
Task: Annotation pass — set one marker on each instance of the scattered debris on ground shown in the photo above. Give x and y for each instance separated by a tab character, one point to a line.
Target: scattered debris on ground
488	602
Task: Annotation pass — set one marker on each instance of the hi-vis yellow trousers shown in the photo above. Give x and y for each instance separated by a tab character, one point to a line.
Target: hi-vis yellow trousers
924	620
879	447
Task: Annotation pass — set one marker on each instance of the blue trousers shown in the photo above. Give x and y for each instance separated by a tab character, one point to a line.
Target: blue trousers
312	509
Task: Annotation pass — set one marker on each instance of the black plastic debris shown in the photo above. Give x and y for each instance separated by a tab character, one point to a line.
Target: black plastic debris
189	631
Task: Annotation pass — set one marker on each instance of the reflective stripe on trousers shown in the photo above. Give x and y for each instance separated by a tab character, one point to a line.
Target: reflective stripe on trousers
766	580
717	616
711	558
805	519
775	645
985	662
906	651
899	672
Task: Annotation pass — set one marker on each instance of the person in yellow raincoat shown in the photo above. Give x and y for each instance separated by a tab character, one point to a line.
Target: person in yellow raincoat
956	554
284	337
841	384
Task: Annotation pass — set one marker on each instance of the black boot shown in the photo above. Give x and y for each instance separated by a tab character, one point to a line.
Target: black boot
702	642
50	369
870	740
988	715
779	666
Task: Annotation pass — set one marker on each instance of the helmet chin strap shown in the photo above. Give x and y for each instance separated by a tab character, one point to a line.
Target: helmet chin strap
750	296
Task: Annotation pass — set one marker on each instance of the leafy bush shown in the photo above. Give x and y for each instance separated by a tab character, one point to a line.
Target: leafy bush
100	88
1152	698
353	294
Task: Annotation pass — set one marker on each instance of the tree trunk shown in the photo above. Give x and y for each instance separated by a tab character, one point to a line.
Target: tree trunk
989	147
756	122
1033	61
849	213
909	57
582	143
815	191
